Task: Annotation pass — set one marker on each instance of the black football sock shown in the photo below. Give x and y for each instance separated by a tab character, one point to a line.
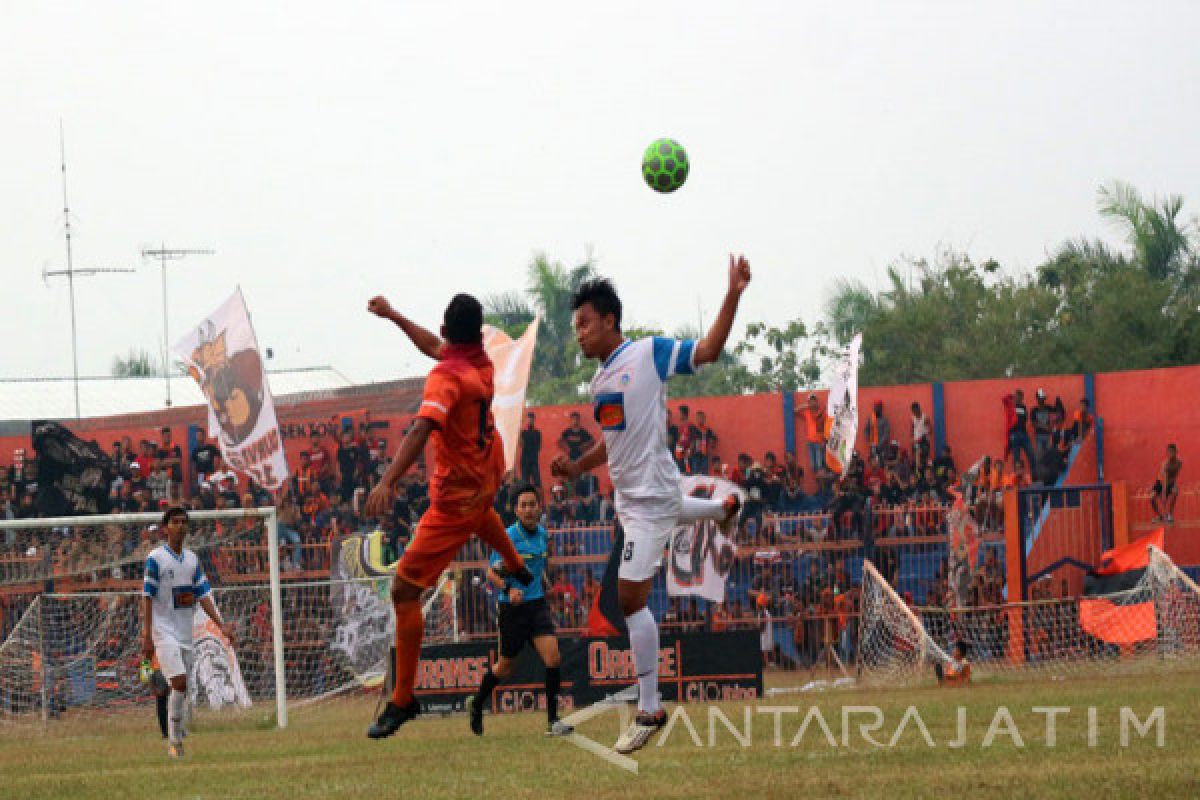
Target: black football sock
553	684
160	701
485	688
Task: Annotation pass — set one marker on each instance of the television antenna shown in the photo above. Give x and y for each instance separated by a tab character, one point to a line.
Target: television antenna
165	255
71	271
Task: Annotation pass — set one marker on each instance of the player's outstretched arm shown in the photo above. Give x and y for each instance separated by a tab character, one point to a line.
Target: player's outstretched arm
709	349
426	340
380	499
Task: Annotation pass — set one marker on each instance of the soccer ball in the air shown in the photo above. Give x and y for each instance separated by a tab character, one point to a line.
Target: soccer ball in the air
665	165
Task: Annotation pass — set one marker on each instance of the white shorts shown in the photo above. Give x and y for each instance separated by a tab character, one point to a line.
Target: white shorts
648	525
173	658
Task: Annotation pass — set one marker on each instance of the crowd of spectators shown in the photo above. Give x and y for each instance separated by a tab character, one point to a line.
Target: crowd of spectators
331	475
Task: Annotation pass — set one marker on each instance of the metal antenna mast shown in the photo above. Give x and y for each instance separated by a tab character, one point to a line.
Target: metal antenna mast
164	255
70	272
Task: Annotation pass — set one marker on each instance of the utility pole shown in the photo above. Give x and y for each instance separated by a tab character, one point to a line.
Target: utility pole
70	272
165	255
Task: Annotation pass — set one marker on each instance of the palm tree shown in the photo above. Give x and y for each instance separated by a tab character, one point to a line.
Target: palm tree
849	309
1161	245
550	287
138	364
556	372
508	311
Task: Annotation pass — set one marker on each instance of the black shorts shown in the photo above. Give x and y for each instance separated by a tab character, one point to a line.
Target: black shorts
522	623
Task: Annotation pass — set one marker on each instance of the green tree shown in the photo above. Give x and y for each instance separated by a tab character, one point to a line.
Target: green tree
1161	245
1088	308
783	359
559	373
137	364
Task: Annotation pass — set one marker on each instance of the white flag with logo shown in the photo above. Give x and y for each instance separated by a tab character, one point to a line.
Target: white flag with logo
217	675
221	354
512	361
701	556
842	409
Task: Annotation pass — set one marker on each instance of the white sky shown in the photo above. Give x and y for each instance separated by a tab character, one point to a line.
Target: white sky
329	151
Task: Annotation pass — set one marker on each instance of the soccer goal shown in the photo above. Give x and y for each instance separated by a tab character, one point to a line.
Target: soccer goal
73	601
1155	624
72	616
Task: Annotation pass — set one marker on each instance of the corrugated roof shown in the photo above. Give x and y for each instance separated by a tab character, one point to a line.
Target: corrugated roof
54	398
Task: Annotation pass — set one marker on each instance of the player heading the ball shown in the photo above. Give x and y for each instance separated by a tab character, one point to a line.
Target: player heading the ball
630	403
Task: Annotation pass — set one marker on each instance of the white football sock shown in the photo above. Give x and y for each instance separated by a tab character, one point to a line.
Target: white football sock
696	509
176	708
643	638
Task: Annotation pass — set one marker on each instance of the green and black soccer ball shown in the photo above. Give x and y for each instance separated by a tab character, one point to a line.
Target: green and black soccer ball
665	165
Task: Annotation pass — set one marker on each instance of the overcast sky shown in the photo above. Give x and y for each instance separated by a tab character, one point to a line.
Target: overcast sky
330	151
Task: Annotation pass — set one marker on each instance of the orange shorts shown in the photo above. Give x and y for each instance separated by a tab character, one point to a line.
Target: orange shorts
440	536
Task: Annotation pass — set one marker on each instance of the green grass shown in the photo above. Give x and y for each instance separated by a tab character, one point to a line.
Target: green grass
324	752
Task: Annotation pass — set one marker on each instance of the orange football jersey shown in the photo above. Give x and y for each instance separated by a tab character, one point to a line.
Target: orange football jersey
468	457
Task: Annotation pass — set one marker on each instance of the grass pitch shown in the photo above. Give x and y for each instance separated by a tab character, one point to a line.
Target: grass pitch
324	753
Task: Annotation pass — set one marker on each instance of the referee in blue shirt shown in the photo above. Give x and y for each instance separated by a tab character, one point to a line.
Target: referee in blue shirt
523	616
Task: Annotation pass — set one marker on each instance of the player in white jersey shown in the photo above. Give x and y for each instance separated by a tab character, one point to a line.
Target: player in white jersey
174	582
630	405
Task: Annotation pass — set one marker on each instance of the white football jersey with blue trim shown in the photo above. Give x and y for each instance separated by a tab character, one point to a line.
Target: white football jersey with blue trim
629	397
176	582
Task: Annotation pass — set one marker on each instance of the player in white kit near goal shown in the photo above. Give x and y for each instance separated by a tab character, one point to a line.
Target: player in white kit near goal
173	583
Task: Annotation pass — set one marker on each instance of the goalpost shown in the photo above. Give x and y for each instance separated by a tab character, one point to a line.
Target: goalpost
1152	625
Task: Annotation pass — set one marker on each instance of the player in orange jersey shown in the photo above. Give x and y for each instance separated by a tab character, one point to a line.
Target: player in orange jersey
456	412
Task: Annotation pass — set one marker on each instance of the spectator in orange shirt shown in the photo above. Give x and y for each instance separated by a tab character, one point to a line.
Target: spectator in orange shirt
814	432
1082	421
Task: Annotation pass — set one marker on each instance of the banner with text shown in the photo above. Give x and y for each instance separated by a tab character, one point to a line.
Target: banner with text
695	667
221	354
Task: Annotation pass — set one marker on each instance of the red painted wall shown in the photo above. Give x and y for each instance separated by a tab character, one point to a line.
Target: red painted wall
975	423
1143	411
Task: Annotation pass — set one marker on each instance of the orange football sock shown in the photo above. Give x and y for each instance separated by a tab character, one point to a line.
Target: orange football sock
410	628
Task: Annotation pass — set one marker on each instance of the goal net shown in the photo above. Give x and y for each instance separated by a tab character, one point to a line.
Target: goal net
1153	624
72	615
893	644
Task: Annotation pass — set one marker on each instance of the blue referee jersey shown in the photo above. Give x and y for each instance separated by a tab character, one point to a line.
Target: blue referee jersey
532	546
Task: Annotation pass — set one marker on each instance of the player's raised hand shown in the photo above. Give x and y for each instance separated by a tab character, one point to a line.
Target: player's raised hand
379	306
378	501
739	273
